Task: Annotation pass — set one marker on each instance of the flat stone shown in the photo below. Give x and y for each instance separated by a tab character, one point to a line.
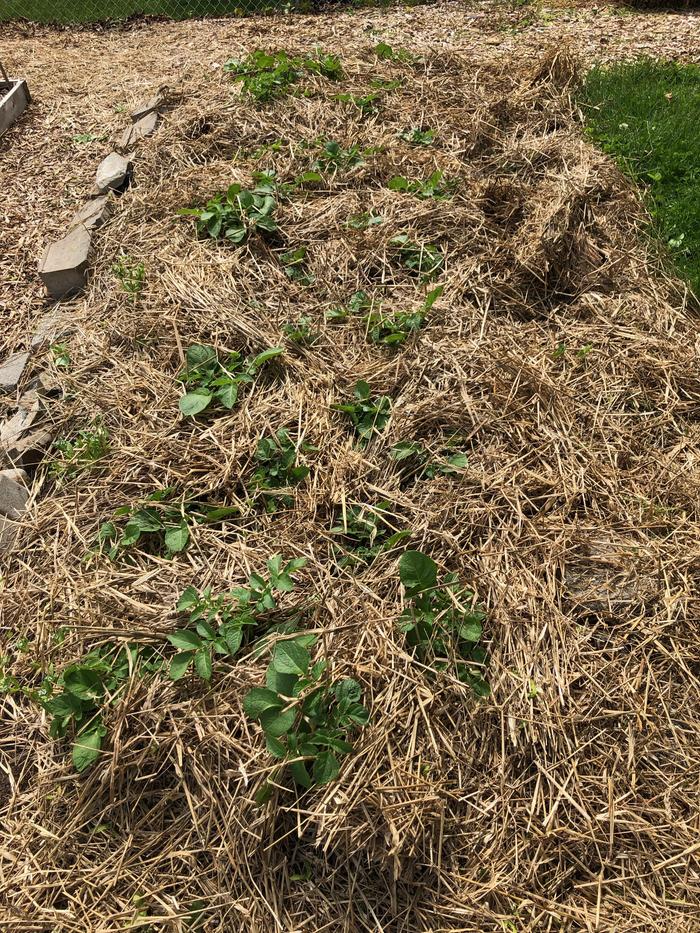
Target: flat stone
51	326
29	451
13	493
22	422
113	173
92	214
11	371
151	105
64	265
145	126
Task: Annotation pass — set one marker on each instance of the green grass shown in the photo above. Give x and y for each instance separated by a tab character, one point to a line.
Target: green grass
90	11
647	115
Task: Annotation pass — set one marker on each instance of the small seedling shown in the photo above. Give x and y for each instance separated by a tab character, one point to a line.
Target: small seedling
365	532
160	526
87	448
333	157
212	382
391	330
384	85
435	186
442	624
417	136
423	259
61	356
86	689
365	103
83	139
131	274
266	76
386	53
301	332
364	220
236	214
418	463
234	614
278	468
369	416
357	303
306	717
294	265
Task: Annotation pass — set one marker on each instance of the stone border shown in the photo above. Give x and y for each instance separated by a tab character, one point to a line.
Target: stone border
28	433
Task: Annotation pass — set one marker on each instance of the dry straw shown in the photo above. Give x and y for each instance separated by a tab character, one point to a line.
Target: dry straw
567	363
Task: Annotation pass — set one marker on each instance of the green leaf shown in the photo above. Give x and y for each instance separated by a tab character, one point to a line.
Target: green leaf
179	664
275	747
326	768
189	598
277	722
257	700
186	640
83	683
281	683
418	572
86	749
176	538
198	356
347	689
471	630
300	773
192	403
290	658
228	394
202	663
264	357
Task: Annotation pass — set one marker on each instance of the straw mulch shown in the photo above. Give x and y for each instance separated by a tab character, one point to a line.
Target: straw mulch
565	360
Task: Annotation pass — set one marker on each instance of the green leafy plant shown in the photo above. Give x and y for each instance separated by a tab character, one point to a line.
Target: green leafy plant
334	157
306	717
369	416
442	624
434	186
418	463
383	84
301	332
364	220
211	381
61	356
85	689
266	76
160	526
417	136
386	53
365	531
391	330
221	623
87	448
236	214
83	138
423	259
367	104
357	303
278	468
131	274
294	265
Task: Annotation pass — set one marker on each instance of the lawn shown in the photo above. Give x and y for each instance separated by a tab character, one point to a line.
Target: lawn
646	115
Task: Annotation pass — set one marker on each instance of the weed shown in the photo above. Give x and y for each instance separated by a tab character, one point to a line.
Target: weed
301	332
305	716
86	688
435	186
441	623
236	214
160	526
418	463
131	274
82	139
277	457
212	382
423	259
366	532
87	448
382	84
364	220
232	613
369	416
418	137
294	265
357	303
266	76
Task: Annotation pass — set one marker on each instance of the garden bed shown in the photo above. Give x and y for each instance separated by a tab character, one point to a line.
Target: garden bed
431	328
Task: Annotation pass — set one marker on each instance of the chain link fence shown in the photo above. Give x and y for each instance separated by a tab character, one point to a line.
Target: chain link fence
101	11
